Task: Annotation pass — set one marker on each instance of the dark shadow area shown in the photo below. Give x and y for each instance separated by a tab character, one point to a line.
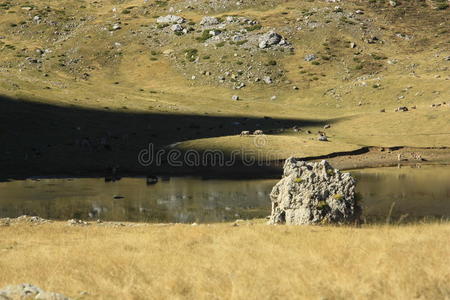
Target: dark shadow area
47	140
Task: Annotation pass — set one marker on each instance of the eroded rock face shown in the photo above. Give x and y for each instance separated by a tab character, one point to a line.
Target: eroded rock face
314	193
28	291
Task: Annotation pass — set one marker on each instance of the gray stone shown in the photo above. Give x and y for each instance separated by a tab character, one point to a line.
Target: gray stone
209	21
28	291
267	79
310	57
314	193
269	39
116	26
322	138
214	32
170	19
401	109
176	28
235	97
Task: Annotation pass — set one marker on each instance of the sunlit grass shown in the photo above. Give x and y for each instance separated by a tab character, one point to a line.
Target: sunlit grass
250	261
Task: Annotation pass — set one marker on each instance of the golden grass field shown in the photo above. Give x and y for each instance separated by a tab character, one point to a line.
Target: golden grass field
221	261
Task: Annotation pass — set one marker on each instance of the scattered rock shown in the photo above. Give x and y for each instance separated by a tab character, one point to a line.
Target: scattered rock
28	291
322	138
273	98
310	57
170	19
401	109
314	193
327	126
116	26
34	220
176	28
209	21
235	97
76	222
269	39
267	79
214	32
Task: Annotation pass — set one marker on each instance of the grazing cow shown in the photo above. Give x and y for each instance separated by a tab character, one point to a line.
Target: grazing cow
258	132
245	133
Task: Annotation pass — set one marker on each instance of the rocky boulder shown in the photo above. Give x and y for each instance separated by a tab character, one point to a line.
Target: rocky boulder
314	193
271	38
209	21
176	28
170	19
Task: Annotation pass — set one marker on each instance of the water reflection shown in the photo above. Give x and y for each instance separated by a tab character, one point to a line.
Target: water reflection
131	199
416	192
413	193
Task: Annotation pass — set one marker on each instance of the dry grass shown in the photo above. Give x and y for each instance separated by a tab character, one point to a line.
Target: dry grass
250	261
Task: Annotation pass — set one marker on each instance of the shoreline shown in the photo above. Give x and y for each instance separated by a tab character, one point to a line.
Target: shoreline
364	157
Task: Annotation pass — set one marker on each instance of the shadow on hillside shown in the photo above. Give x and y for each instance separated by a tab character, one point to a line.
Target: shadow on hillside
40	139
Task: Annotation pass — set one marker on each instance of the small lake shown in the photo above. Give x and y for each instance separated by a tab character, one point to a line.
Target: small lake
411	193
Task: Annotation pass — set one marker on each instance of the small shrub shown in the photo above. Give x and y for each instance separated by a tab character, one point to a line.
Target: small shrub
378	56
161	26
161	3
338	196
253	27
204	37
322	205
191	54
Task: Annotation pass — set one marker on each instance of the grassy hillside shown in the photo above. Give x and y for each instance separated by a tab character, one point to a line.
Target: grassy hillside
342	64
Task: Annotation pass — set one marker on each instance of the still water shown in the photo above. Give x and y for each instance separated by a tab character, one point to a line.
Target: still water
408	192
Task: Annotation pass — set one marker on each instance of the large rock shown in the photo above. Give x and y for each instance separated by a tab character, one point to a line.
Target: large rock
170	19
269	39
314	193
209	21
28	291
